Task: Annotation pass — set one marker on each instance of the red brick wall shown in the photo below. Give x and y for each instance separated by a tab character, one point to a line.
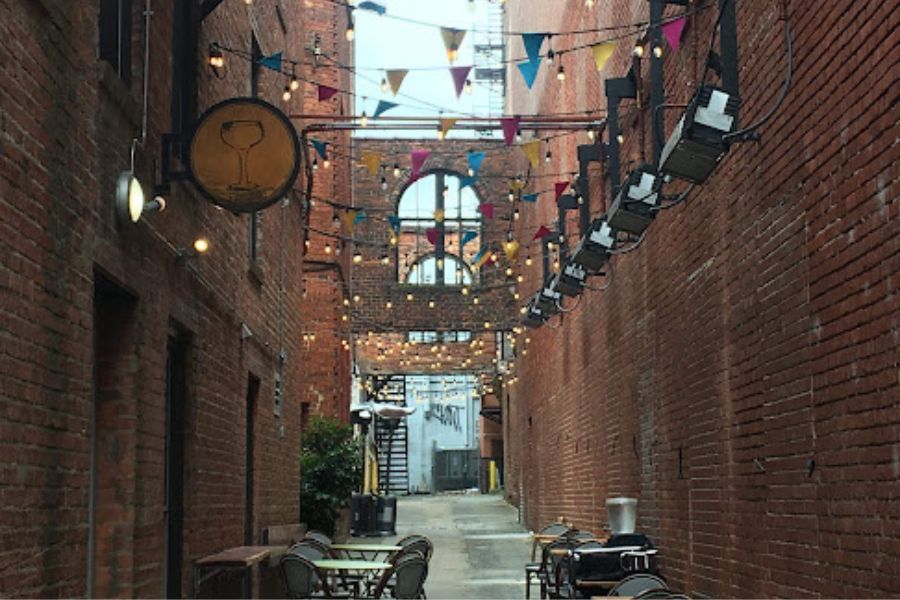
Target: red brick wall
754	331
66	123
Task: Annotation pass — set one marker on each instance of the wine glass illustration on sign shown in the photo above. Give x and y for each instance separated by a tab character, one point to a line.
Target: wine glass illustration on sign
242	136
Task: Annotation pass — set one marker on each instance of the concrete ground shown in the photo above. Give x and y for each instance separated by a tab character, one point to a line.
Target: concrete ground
480	549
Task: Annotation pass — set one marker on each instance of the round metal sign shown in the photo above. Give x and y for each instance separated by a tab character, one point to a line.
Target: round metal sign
244	155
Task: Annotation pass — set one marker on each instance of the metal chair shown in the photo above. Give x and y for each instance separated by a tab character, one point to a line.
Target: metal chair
303	580
314	534
533	568
405	579
634	585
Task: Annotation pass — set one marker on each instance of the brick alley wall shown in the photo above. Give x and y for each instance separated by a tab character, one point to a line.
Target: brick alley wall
741	375
69	270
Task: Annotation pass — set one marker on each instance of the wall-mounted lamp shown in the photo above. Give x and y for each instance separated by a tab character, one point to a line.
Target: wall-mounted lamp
633	208
130	201
592	251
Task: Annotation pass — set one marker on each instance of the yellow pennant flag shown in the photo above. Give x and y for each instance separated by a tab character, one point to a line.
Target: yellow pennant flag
453	39
511	248
602	53
532	152
348	218
395	78
439	215
372	160
447	125
516	185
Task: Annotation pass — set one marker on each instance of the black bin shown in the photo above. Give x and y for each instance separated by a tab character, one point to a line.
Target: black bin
386	520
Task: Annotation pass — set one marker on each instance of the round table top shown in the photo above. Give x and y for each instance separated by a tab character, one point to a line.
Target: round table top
336	564
366	547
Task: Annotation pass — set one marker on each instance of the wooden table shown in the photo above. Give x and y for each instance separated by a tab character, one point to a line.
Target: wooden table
243	558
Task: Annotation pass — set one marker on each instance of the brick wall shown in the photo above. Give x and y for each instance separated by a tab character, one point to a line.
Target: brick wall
66	124
740	377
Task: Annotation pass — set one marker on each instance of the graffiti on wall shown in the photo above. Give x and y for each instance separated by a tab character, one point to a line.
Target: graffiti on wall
445	414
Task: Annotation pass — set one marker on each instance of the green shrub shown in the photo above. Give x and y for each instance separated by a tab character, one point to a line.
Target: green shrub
330	470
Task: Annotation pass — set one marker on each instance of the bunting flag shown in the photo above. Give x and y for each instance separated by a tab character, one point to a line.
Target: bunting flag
559	187
394	222
511	248
532	152
360	217
516	184
602	52
475	160
487	209
372	161
453	39
480	257
673	30
541	233
383	107
510	126
467	237
466	181
326	93
321	147
272	62
395	78
529	70
348	218
447	125
432	234
529	197
532	43
459	74
372	6
439	215
418	158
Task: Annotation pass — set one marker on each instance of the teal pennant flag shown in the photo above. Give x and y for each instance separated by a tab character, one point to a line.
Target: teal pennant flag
383	107
272	62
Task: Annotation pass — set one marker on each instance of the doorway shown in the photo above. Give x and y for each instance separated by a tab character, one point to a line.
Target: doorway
176	397
250	440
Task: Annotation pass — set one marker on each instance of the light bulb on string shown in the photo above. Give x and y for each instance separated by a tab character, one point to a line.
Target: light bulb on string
550	56
326	163
384	183
216	57
327	248
548	157
591	134
468	87
385	259
396	171
620	138
657	51
357	258
638	51
286	95
561	73
315	165
295	83
516	215
350	33
384	85
528	261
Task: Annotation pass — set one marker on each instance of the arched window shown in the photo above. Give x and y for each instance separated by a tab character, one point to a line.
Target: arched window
431	249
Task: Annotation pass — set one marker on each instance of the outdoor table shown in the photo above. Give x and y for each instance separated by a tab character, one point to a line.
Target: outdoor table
341	565
242	558
365	551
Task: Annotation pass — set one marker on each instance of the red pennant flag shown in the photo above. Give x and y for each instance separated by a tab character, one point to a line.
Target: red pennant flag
432	235
541	233
560	187
326	93
459	74
672	30
510	126
487	209
418	159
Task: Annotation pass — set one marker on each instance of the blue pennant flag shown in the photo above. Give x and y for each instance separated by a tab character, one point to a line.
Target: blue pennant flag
529	69
468	237
271	62
466	181
529	197
475	160
321	147
360	217
394	222
376	8
383	107
477	258
532	43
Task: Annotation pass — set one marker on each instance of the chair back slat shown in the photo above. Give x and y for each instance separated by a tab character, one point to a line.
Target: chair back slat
300	576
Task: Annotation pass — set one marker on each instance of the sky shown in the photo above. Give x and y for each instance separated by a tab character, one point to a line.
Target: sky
384	42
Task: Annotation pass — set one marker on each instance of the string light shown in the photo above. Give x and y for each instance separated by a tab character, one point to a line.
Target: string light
315	165
327	248
638	51
384	85
468	87
201	245
384	183
561	73
620	138
589	3
216	57
550	56
409	297
440	133
516	215
528	261
591	134
357	299
286	95
363	119
548	157
350	33
357	258
431	304
396	171
385	259
393	240
465	291
326	163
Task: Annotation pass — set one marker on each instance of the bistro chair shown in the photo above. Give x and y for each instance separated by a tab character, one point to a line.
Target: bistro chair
314	534
418	543
640	583
303	580
405	579
576	534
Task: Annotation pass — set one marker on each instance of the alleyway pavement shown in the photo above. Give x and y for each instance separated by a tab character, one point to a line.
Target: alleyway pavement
480	549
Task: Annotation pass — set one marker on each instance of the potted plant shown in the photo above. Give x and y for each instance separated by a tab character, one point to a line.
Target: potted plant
330	470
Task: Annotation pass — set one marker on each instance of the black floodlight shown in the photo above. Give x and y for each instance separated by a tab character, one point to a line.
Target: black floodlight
697	144
548	299
592	251
534	316
571	280
633	208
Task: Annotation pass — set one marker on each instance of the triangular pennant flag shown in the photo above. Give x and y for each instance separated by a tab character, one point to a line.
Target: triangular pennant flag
394	222
510	126
453	39
480	257
383	107
418	158
376	8
475	160
372	160
360	217
532	152
466	181
321	147
395	78
459	74
516	184
468	237
439	215
271	62
348	218
326	93
447	125
672	30
602	52
511	248
487	209
541	233
529	197
559	187
432	234
529	69
532	43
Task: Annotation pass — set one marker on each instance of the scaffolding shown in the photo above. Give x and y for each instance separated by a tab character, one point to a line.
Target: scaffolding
490	57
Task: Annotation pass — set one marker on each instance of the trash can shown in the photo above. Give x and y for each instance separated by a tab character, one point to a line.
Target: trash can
622	514
362	514
386	521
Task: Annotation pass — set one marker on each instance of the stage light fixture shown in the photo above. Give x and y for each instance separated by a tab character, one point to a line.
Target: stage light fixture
633	208
592	251
698	143
534	316
570	281
548	299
